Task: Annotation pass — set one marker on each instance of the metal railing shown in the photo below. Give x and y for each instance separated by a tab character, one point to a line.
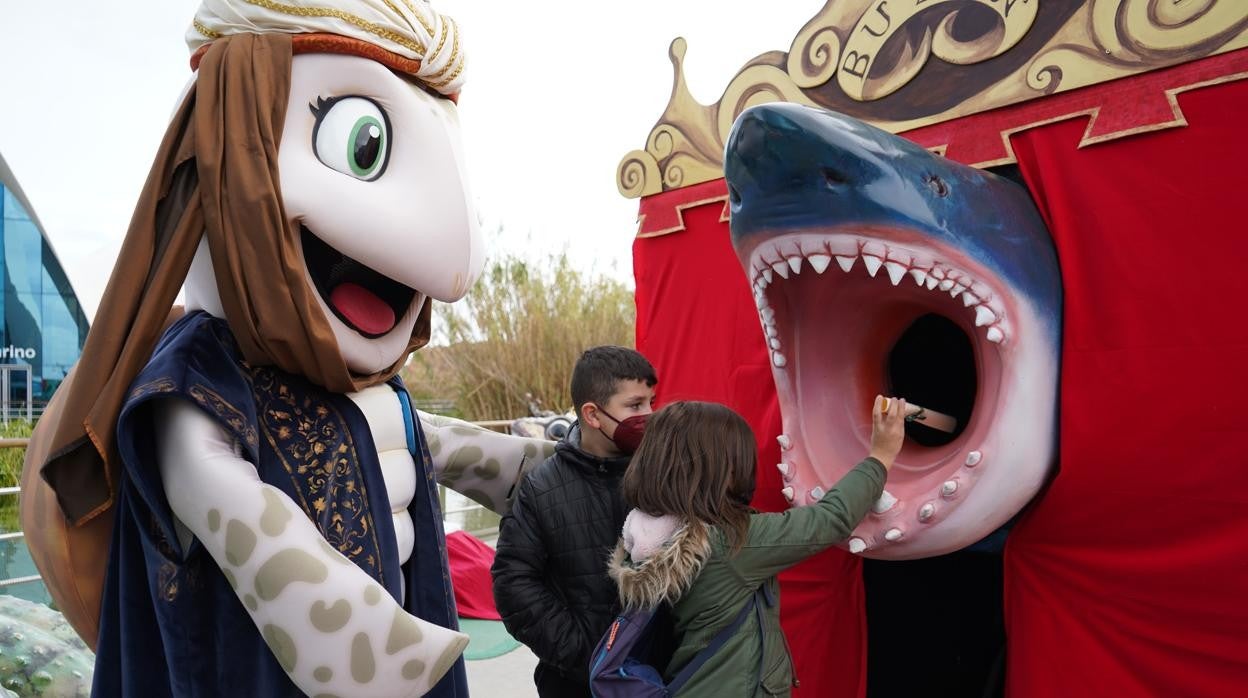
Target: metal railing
498	425
6	403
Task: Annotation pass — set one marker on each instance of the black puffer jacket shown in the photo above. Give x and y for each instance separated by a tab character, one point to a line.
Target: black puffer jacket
550	571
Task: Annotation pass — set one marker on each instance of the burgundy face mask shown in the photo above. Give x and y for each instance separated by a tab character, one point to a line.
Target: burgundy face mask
628	432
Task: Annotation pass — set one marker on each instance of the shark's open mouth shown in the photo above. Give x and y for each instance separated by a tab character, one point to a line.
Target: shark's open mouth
364	300
849	314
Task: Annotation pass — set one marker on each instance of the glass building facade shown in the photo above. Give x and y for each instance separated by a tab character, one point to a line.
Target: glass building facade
41	322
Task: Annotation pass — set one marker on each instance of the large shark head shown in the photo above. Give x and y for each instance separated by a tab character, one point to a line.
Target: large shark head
879	267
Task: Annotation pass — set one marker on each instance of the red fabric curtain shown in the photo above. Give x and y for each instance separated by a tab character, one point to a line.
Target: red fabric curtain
1130	575
697	323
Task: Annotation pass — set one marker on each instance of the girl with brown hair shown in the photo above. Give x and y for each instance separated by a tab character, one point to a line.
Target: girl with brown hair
694	543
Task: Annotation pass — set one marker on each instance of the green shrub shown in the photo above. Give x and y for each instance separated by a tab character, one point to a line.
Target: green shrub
11	471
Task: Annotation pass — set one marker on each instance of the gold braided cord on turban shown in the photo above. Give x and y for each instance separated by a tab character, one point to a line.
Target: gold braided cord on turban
411	29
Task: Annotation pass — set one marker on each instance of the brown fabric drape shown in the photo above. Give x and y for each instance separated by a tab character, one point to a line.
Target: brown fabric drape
216	175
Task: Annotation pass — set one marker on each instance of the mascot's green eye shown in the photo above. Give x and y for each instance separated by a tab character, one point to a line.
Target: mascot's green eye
352	135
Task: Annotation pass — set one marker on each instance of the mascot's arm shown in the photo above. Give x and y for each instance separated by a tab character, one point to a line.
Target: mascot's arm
480	464
332	627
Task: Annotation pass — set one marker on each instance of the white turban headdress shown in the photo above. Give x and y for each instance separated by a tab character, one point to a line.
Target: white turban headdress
411	35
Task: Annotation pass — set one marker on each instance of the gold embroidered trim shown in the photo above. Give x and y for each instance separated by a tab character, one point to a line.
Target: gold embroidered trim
441	41
419	16
450	78
231	414
433	79
317	450
202	29
159	385
370	27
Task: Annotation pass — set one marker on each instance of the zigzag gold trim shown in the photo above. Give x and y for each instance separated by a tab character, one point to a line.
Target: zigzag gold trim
1176	111
680	216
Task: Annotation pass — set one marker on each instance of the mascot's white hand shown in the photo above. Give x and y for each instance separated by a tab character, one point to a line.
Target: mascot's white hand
331	626
481	464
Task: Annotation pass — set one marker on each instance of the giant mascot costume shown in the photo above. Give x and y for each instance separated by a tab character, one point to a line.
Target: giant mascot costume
251	472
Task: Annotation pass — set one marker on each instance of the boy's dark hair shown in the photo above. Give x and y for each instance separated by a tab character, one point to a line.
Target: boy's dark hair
600	369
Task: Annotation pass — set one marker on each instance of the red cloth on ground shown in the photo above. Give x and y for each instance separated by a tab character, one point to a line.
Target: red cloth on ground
1130	575
470	561
698	325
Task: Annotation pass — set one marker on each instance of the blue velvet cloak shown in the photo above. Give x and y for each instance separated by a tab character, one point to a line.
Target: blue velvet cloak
171	624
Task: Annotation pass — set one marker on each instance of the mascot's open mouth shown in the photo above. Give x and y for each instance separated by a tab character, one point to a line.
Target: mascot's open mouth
364	300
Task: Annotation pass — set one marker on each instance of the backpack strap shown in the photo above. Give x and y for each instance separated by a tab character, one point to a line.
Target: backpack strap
703	656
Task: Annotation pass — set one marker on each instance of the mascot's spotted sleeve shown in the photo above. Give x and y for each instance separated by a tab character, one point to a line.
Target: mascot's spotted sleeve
253	467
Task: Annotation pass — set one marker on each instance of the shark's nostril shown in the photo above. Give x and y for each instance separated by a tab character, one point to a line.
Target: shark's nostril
734	196
834	178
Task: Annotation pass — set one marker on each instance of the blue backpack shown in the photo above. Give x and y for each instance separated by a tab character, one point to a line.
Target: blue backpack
629	659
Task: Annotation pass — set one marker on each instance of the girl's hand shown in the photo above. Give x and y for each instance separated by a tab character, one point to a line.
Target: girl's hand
888	429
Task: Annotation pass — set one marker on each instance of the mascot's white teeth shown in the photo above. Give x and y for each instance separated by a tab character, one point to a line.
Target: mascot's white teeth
935	276
366	301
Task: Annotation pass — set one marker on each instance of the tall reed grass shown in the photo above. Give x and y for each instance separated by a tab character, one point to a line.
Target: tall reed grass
520	330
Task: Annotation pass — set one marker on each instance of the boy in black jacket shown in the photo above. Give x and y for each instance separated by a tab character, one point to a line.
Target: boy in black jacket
550	570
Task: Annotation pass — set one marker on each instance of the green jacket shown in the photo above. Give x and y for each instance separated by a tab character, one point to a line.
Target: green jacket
707	586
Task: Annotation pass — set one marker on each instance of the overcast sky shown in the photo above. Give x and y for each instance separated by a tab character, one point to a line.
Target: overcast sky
556	94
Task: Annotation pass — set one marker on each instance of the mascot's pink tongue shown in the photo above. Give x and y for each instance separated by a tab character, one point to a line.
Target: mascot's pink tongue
362	308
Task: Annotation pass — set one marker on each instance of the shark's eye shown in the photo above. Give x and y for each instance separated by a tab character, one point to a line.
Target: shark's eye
937	185
352	135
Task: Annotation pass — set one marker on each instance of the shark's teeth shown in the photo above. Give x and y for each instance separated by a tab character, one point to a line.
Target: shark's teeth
788	493
926	271
785	469
896	271
785	442
926	512
857	545
973	458
893	534
949	489
884	503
